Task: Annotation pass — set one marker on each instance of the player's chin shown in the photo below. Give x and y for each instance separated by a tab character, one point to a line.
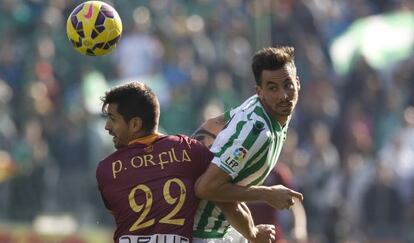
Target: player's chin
117	145
285	111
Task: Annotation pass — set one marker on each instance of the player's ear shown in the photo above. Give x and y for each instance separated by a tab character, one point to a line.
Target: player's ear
135	124
259	90
298	82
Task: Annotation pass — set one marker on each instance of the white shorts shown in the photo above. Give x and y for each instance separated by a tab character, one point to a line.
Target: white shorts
156	238
232	236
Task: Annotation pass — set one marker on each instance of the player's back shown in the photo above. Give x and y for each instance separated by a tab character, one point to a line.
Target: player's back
148	186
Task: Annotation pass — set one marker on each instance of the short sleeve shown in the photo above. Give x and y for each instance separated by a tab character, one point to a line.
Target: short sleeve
239	144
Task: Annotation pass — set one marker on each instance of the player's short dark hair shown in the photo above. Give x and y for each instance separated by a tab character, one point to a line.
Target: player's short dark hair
271	58
134	99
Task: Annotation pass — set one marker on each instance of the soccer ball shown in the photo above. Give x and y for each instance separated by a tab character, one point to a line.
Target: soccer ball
94	28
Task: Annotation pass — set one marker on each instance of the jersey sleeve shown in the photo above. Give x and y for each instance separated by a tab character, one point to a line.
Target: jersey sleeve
239	144
229	114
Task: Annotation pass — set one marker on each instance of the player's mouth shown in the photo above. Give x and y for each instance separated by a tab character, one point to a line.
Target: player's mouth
113	136
285	105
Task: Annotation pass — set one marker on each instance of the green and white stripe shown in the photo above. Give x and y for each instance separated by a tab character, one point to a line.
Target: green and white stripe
260	139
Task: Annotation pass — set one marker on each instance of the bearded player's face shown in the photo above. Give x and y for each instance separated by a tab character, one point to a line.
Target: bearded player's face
279	92
117	127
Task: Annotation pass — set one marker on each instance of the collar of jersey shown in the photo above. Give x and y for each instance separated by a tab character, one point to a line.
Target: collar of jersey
147	140
274	123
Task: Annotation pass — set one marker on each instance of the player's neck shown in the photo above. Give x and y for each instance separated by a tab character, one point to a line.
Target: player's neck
148	138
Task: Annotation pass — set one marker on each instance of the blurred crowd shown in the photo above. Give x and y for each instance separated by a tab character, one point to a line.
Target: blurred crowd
350	146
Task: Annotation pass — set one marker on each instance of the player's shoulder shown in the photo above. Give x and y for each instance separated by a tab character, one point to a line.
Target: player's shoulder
119	154
192	146
178	138
250	110
244	131
252	118
245	106
109	158
184	140
102	170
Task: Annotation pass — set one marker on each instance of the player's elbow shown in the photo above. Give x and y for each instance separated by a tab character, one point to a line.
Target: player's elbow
213	184
205	189
214	125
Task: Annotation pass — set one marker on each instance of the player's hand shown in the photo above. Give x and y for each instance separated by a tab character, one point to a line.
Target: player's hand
281	197
266	233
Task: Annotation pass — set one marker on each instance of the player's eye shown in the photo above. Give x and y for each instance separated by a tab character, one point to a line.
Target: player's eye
273	88
289	85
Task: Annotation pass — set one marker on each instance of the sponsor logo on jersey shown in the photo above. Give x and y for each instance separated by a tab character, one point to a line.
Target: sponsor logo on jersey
239	154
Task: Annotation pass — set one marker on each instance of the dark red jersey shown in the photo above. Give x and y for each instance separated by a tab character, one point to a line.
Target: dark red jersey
149	187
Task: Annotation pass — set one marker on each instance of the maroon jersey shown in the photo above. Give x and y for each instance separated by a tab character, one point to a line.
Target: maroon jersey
150	188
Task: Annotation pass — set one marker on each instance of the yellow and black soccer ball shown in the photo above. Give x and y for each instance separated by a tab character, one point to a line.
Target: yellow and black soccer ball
94	28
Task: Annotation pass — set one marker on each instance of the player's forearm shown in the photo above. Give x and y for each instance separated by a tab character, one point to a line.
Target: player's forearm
299	217
228	192
240	218
215	185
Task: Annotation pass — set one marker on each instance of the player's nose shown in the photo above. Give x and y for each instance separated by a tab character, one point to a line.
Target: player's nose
107	126
284	95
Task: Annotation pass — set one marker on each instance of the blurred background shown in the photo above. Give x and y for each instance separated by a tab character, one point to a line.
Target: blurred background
350	146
